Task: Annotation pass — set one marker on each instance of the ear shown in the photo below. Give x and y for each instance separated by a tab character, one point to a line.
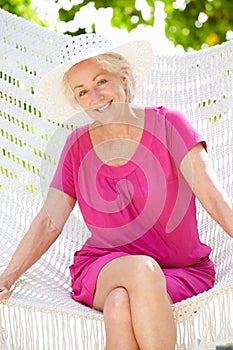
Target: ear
124	77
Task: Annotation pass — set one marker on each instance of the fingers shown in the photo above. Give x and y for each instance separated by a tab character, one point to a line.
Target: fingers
4	294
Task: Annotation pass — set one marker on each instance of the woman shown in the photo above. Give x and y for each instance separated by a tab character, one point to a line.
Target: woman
135	173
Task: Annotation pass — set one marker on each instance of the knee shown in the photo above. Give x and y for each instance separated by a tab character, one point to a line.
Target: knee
117	307
148	273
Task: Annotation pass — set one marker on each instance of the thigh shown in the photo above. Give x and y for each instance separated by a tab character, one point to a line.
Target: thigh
122	272
84	274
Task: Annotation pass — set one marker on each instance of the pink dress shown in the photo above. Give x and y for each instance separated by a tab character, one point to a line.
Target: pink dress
144	206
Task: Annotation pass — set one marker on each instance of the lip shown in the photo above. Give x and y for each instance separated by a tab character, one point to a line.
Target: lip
103	108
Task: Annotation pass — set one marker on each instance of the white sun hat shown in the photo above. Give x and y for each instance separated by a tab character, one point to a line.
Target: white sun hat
49	93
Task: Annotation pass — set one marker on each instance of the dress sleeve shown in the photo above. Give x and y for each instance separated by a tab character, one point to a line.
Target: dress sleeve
181	135
63	178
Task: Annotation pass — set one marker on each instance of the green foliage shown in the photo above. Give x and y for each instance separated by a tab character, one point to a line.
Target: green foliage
125	14
190	23
22	8
195	23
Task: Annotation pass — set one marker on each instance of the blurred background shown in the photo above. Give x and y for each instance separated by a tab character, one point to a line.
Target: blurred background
171	25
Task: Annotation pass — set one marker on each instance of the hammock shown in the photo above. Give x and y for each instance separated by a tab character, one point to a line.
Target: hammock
40	313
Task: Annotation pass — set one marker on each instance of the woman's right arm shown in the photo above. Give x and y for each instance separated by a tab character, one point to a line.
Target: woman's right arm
44	230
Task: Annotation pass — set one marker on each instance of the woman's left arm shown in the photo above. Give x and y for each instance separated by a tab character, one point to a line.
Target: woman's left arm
198	172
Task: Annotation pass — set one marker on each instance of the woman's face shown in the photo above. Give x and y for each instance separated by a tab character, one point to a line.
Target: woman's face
97	91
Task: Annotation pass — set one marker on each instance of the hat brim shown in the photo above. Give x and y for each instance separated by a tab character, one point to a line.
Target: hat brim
53	103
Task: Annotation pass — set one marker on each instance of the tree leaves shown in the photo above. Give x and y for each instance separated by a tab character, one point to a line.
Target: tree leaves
125	14
190	23
22	9
198	23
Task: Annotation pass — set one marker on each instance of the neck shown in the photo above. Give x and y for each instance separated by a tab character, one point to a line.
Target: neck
125	126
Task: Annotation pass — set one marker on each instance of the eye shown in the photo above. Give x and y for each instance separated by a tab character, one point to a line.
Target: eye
101	82
82	93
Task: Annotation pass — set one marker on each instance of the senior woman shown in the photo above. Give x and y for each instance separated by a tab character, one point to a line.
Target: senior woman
135	172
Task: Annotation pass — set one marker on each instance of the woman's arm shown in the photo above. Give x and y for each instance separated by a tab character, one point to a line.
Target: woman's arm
42	233
197	170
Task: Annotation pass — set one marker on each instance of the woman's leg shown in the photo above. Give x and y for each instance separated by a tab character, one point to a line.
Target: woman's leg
152	324
118	322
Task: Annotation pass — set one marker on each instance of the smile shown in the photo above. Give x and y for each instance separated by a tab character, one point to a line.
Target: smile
104	108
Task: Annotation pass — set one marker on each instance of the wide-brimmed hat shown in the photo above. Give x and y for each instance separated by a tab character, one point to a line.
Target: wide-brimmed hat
49	93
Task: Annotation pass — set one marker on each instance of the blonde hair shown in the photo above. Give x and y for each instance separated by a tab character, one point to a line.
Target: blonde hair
111	62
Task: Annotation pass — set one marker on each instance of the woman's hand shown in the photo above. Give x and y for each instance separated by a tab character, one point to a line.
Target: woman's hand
4	291
42	233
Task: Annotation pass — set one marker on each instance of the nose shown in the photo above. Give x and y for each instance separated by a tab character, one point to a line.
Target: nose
96	96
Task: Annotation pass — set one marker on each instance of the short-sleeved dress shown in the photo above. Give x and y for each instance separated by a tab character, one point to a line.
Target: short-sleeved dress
144	206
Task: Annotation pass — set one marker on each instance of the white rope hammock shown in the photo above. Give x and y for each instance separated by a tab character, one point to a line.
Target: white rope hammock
40	313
